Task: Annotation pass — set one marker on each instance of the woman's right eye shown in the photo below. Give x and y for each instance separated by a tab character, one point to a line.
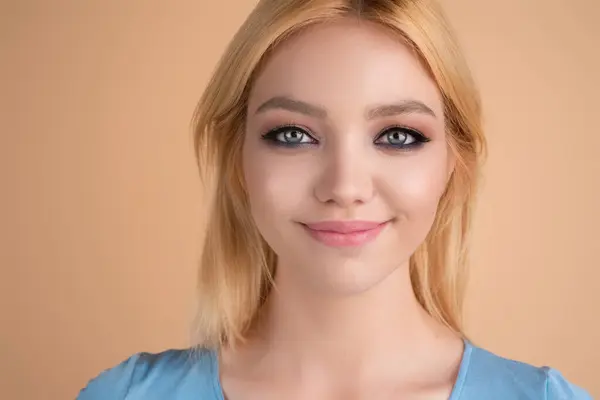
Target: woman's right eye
289	136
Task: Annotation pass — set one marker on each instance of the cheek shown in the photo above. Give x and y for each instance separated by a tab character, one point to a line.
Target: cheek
414	185
274	186
277	189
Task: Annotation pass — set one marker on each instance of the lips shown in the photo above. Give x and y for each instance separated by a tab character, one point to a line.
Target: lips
344	226
345	233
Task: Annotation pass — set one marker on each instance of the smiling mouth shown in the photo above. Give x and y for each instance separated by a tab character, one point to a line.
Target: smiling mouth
345	233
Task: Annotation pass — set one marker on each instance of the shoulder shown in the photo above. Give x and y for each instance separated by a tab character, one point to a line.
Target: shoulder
174	374
487	375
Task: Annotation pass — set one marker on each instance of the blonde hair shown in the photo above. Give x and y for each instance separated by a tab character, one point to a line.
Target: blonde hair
237	265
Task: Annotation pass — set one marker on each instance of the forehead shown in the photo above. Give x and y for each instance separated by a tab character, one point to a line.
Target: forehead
345	64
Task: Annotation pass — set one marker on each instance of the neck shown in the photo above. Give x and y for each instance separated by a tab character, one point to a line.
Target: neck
384	324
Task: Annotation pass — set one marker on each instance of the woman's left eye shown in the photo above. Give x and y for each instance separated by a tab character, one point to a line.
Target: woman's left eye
400	137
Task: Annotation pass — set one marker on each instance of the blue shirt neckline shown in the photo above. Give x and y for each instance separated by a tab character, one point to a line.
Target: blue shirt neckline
454	395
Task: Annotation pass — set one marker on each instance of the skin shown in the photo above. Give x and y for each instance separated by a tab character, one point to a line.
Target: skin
343	323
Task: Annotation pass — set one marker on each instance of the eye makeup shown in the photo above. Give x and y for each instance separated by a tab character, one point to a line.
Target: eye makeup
289	136
401	138
395	137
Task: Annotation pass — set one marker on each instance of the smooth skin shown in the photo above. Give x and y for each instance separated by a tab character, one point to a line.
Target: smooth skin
344	123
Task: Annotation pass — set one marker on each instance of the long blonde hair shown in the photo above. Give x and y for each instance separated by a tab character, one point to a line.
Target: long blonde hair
237	265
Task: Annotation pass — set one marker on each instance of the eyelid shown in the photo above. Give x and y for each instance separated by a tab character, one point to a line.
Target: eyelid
291	125
419	136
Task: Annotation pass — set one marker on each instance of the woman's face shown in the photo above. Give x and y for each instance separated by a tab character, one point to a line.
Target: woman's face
344	126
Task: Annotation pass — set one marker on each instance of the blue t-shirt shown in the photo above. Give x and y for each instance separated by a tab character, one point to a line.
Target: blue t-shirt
194	375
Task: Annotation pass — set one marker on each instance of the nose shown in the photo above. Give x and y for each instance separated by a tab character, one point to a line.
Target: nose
345	179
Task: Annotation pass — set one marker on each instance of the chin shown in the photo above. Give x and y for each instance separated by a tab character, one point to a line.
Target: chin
338	275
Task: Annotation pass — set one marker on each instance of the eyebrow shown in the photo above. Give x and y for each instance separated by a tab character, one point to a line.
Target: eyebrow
312	110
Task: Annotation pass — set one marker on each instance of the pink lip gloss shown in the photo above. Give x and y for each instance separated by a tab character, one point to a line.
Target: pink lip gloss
345	233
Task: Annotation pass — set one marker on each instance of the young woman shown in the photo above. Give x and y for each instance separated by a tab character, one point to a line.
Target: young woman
340	143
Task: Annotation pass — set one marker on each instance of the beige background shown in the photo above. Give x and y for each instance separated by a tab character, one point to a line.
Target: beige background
100	198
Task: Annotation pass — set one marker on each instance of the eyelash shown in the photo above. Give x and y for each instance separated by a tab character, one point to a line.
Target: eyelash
419	139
